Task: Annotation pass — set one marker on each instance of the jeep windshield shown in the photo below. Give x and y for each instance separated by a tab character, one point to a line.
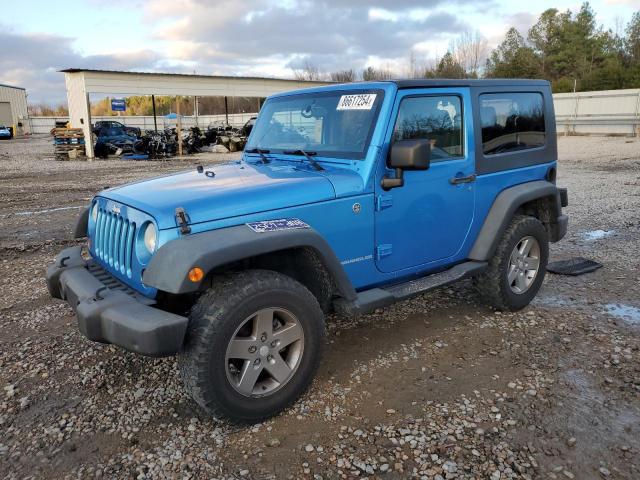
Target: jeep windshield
335	124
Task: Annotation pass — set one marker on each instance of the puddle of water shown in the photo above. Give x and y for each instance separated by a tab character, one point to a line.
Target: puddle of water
627	313
597	234
552	301
589	400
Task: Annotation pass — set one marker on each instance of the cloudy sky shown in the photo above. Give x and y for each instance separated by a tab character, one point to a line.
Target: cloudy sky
249	37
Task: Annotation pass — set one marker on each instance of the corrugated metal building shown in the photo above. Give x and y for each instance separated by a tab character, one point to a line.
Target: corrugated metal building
13	108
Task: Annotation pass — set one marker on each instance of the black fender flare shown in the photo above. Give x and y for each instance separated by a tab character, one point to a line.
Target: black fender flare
502	211
80	230
168	269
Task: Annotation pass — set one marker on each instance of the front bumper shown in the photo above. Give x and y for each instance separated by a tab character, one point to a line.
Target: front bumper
109	311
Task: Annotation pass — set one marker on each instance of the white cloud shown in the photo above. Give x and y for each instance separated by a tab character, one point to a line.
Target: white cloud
264	37
626	3
33	61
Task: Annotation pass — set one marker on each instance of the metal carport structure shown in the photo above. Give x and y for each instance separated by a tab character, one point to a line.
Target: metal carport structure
81	83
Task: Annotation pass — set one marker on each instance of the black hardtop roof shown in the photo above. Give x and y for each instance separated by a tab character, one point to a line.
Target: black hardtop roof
468	82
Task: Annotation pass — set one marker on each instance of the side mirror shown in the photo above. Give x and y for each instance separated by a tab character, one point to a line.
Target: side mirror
407	155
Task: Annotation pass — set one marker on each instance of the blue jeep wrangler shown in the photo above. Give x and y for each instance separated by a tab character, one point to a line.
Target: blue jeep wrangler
347	198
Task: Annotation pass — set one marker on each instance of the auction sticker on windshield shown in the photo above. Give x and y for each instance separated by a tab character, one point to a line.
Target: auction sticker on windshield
363	101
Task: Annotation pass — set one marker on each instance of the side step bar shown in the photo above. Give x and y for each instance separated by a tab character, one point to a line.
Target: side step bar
369	300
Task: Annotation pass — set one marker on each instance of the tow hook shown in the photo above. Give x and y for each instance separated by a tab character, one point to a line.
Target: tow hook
97	296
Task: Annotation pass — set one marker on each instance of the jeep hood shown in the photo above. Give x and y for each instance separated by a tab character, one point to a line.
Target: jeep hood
236	189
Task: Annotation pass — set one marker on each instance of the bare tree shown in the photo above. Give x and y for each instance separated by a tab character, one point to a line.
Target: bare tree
343	76
308	71
470	50
46	110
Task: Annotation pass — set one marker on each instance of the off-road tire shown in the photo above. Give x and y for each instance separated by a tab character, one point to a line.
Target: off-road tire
213	322
493	285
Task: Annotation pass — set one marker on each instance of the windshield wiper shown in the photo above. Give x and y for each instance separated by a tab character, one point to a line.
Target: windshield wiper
308	155
261	152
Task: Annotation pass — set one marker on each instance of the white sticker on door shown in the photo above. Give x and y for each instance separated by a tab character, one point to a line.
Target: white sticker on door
364	101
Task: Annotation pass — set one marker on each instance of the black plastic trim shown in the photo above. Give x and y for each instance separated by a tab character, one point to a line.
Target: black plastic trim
369	300
113	315
561	227
564	197
80	230
502	211
167	271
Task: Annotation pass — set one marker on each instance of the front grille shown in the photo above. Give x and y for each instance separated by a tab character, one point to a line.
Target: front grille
113	241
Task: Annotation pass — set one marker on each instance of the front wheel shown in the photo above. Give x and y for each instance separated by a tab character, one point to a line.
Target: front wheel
253	345
518	266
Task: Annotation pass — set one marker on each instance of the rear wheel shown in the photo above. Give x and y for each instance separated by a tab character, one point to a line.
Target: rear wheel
518	266
253	345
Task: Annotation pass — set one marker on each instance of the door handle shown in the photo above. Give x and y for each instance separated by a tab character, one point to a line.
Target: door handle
459	180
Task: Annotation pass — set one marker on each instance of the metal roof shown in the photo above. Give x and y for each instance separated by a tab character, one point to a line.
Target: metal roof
468	82
401	83
229	77
11	86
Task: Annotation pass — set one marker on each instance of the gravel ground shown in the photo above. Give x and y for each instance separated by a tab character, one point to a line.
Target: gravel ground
436	387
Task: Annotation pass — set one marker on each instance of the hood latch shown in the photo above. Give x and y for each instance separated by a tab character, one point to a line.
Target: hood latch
181	219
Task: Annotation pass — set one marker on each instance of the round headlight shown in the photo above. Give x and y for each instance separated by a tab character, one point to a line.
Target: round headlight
94	212
150	237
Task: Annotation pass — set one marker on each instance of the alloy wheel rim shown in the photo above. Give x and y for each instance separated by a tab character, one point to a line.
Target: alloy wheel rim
524	264
264	352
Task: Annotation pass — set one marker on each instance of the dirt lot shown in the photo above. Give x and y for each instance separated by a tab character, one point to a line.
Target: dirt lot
436	387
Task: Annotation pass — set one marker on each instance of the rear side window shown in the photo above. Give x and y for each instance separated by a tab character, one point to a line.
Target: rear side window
511	122
436	118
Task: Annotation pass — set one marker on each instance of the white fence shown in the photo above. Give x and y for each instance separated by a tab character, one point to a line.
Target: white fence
608	112
45	124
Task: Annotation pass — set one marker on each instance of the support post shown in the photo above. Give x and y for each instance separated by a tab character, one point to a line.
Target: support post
155	120
195	109
79	108
575	112
226	110
178	126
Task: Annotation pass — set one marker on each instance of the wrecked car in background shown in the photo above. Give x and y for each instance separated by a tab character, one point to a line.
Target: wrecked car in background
133	131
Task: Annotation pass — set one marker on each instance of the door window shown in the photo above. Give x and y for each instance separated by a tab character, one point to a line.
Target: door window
435	118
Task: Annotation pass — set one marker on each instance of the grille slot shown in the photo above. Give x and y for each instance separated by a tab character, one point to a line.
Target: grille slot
114	241
113	283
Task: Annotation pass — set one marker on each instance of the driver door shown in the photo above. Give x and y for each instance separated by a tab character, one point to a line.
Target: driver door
425	222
